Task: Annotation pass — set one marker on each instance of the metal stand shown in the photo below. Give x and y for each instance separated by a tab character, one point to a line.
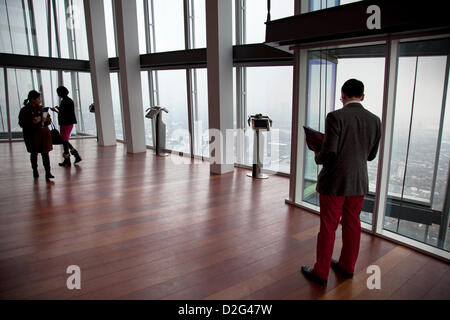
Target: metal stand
257	163
160	139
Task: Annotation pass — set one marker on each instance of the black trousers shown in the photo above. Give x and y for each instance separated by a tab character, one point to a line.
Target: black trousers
67	146
45	161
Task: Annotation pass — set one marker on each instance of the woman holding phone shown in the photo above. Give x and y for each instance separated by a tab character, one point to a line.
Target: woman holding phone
66	119
34	120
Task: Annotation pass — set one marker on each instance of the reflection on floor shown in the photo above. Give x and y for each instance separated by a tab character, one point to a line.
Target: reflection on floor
141	227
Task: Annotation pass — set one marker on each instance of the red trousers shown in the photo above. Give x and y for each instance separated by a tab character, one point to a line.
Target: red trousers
332	208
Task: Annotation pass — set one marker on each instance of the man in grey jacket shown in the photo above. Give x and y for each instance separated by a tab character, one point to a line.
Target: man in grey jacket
352	136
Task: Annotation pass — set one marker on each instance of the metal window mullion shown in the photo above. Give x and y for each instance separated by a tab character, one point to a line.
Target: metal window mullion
34	41
244	22
149	72
76	86
9	27
115	30
33	27
192	23
443	230
55	21
411	118
385	150
190	111
243	96
189	84
195	111
121	106
241	109
241	112
150	45
69	35
149	17
26	27
49	27
294	131
8	114
301	104
441	129
74	38
152	27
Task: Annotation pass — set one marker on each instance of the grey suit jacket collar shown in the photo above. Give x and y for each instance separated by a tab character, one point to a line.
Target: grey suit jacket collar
354	104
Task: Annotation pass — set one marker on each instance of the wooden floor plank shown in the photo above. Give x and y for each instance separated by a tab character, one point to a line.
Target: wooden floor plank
143	227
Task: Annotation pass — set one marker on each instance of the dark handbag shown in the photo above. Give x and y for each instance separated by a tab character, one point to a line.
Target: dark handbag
56	136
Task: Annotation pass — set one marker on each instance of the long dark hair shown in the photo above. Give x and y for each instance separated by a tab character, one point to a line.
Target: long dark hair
33	94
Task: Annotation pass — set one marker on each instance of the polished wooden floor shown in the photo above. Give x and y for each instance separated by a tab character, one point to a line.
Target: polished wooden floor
142	227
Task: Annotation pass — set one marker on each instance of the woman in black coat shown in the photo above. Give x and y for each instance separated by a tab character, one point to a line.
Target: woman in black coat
36	134
66	119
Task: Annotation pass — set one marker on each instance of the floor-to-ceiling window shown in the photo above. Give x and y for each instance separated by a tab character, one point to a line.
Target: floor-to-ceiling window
416	151
173	96
20	82
117	106
200	113
269	92
328	70
418	175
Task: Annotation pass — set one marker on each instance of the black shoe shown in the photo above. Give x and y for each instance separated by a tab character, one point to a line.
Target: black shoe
35	174
76	155
336	267
49	176
66	162
309	274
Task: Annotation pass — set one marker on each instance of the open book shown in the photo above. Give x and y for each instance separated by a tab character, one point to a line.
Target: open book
314	138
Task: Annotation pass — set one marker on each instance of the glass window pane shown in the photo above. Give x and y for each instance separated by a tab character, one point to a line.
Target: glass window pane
147	104
200	97
320	101
269	91
173	96
86	119
5	39
373	79
199	21
169	25
142	27
328	70
417	177
110	31
117	106
315	5
63	29
20	82
40	15
79	30
256	16
15	24
49	97
441	193
24	28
